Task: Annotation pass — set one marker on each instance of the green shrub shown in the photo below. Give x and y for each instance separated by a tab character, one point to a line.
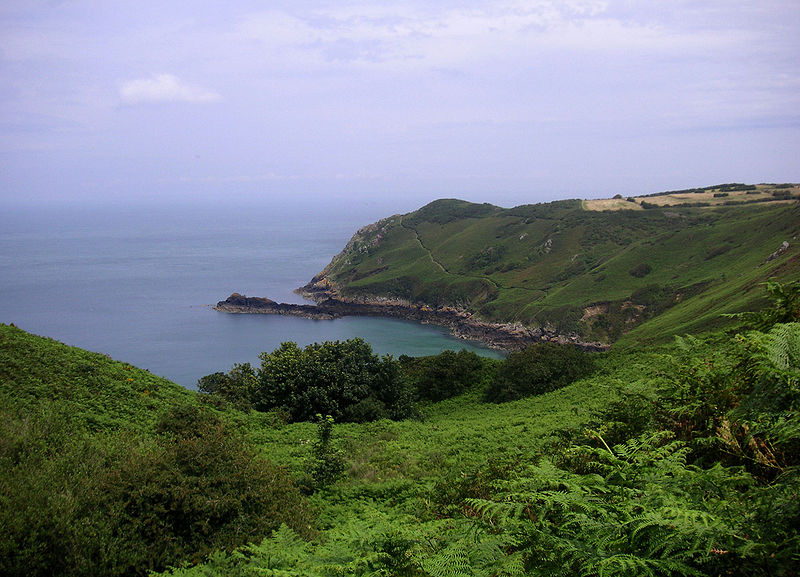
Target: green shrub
327	463
344	379
442	376
538	369
237	386
641	270
717	250
74	503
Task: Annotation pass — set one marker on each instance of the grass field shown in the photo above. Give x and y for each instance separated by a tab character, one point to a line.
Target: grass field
712	196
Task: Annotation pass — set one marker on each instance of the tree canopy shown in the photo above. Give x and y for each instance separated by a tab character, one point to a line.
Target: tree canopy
343	379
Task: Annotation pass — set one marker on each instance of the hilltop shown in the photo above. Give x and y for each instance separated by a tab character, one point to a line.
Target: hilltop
638	268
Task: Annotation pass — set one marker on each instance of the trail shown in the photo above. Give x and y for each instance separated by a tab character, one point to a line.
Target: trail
439	264
426	249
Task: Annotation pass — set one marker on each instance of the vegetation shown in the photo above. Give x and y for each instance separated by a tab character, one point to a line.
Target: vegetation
577	271
538	369
658	457
445	375
689	466
97	478
343	379
681	459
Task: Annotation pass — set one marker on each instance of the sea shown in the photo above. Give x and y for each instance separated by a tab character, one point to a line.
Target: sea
138	282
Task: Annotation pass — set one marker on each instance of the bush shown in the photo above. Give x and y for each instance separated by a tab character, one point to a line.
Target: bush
73	503
327	463
439	377
538	369
717	250
49	524
641	270
236	387
343	379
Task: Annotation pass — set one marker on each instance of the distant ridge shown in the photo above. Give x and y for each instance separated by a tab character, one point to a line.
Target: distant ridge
594	271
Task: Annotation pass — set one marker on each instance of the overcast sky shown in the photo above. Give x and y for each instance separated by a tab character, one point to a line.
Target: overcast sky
505	102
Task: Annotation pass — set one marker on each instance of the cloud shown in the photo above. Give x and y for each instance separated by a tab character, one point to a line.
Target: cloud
164	88
435	36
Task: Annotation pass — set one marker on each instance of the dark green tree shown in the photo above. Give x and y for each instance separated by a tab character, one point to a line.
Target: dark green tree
445	375
343	379
238	386
538	369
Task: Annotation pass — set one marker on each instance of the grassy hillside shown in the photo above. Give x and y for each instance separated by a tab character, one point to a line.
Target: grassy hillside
106	469
677	460
680	459
584	267
99	393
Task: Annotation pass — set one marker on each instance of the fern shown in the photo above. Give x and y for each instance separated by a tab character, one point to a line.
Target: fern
634	520
453	561
775	356
785	307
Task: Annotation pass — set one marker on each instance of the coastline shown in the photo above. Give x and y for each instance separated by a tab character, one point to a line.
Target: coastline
501	336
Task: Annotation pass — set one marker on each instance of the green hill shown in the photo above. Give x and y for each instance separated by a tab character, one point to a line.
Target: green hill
107	469
97	392
679	459
649	266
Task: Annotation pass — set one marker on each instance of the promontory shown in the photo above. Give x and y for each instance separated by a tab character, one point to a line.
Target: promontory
589	272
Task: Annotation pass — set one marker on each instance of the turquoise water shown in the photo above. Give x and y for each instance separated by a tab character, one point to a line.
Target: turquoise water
137	283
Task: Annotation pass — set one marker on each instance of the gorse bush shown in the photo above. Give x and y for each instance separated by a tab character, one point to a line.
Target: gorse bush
201	488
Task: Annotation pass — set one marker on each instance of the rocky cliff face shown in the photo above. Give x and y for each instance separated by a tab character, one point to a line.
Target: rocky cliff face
463	325
237	303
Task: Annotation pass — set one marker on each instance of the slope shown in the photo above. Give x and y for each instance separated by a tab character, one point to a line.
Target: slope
595	273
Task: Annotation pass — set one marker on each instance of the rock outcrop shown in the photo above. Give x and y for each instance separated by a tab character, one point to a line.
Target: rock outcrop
461	324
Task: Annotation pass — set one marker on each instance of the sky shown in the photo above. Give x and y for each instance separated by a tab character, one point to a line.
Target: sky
506	102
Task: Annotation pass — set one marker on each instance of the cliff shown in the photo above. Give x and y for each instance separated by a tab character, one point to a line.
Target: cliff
503	336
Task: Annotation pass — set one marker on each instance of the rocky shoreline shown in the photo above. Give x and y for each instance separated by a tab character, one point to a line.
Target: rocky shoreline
502	336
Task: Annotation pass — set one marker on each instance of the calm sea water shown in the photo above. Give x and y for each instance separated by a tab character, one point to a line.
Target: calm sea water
137	283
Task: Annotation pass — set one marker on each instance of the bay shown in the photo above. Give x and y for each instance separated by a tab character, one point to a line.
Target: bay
137	282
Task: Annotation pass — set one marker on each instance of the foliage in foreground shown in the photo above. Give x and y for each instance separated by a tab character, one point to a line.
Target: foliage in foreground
81	498
690	467
694	470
